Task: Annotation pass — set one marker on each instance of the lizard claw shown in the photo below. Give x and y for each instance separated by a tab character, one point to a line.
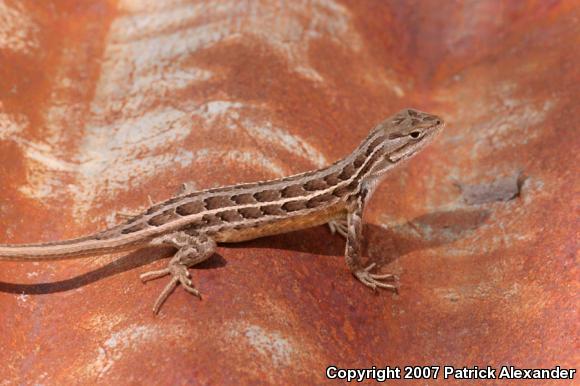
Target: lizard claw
373	281
152	275
338	226
180	275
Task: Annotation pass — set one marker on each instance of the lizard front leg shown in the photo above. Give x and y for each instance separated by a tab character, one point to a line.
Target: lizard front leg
353	251
192	250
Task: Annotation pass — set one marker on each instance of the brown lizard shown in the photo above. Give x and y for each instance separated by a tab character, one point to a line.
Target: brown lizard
193	222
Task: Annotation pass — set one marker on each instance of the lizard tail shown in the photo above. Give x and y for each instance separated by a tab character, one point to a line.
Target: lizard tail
94	245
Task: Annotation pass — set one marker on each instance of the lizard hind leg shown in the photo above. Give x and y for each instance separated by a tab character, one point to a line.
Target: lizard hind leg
191	250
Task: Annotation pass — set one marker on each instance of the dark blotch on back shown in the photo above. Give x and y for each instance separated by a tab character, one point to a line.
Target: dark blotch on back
230	216
250	212
135	228
217	202
342	191
154	208
267	195
359	161
162	218
332	179
293	191
370	164
347	172
294	206
172	200
242	199
211	219
313	185
373	145
272	210
320	200
190	208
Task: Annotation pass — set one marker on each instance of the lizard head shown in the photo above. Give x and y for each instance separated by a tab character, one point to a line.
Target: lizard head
401	136
409	131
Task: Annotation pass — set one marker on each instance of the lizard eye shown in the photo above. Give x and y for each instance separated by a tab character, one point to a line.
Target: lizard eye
415	134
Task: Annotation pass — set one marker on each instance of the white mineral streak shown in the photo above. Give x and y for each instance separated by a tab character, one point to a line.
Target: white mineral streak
148	55
11	124
18	32
133	128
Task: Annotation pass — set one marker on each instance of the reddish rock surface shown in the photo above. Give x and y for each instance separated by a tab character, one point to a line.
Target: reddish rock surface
103	103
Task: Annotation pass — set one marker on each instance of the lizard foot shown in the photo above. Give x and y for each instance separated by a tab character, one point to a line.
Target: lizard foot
179	275
373	280
338	226
192	249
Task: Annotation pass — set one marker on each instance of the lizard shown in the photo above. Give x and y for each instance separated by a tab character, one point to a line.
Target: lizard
195	222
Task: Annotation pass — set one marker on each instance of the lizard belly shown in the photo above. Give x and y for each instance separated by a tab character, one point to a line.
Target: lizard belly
280	225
